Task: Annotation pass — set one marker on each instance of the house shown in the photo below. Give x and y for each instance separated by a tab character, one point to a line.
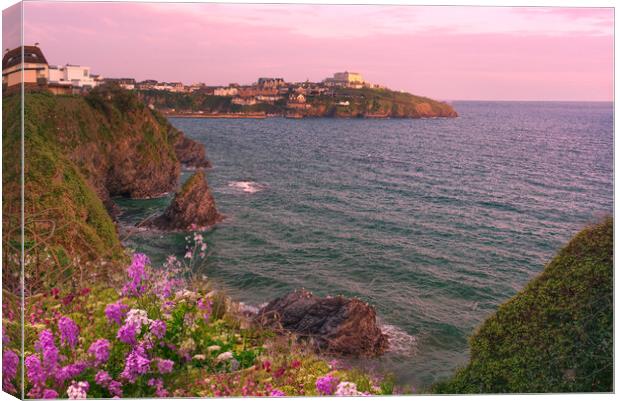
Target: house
72	74
250	101
270	82
229	91
30	60
297	98
346	79
177	87
268	98
146	84
162	86
125	83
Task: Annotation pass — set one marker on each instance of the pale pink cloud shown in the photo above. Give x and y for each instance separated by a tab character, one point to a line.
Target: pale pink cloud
442	52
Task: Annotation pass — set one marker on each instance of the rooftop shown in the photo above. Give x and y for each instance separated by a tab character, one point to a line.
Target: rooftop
31	54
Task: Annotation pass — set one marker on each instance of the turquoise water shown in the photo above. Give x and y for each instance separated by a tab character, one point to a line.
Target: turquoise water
435	222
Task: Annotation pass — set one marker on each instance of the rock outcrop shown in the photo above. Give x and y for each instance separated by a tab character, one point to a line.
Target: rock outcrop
190	153
335	324
193	205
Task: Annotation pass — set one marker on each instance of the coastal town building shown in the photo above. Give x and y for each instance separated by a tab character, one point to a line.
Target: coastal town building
249	101
297	98
75	79
346	79
125	83
250	91
270	82
268	98
229	91
75	75
29	60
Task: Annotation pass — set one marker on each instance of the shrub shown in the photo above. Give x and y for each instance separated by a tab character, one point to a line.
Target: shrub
554	336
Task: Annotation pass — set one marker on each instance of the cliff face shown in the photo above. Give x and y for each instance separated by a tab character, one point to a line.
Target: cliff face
193	205
80	152
122	147
377	103
554	336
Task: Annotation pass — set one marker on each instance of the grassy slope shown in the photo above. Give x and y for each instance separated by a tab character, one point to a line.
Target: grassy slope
64	216
68	141
554	336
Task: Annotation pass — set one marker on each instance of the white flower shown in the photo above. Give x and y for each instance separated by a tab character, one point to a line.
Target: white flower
224	356
213	348
137	317
199	357
347	388
77	391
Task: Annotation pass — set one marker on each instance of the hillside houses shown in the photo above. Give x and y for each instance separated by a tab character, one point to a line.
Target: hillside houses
70	78
73	78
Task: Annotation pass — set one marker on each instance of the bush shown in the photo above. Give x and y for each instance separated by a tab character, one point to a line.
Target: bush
554	336
158	334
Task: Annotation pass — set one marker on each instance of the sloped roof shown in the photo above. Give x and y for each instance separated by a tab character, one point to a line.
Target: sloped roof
32	54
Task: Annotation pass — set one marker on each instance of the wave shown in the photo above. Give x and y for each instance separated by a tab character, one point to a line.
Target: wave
246	186
400	342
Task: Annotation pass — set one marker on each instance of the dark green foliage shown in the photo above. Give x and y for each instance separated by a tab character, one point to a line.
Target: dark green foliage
554	336
362	102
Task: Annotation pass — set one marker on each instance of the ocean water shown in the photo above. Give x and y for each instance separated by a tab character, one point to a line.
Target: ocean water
435	222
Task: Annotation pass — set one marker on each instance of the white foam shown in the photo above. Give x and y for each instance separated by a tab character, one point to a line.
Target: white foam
246	186
400	341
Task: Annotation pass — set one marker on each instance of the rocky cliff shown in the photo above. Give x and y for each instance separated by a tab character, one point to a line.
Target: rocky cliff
193	206
81	151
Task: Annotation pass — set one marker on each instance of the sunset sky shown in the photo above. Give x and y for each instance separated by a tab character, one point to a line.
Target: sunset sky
448	53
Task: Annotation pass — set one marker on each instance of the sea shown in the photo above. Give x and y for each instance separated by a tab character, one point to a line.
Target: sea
434	222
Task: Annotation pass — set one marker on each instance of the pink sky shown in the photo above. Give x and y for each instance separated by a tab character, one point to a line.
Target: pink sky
448	53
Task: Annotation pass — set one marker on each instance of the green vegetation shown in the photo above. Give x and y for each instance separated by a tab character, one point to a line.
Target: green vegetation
79	151
364	102
89	329
160	334
554	336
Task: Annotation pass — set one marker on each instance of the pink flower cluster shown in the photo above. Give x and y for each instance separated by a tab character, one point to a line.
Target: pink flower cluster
137	275
116	312
45	364
326	385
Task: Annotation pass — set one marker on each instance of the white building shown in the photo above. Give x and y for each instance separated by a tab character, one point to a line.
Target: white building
268	99
250	101
346	79
70	74
230	91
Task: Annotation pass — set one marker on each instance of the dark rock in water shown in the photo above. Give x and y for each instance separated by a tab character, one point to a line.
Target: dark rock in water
193	205
190	152
337	325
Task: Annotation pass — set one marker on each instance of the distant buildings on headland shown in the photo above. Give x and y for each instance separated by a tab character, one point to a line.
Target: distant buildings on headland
72	78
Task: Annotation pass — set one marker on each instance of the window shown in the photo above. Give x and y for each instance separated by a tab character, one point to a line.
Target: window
85	73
